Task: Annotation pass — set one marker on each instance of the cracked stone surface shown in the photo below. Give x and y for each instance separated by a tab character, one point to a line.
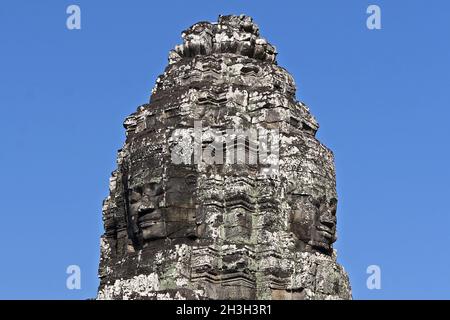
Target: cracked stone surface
227	230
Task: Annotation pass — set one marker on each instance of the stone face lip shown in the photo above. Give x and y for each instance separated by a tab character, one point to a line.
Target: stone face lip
222	190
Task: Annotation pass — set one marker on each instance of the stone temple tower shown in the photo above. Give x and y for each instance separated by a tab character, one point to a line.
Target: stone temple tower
222	190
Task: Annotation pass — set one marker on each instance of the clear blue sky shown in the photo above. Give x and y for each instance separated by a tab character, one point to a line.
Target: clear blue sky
382	98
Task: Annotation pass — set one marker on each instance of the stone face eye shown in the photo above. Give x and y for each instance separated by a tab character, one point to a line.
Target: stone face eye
315	202
333	206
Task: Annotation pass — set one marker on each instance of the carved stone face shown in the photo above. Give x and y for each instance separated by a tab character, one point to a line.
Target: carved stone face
165	208
145	206
313	221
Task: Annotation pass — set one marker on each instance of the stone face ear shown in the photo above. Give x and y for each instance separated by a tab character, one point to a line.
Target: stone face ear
222	189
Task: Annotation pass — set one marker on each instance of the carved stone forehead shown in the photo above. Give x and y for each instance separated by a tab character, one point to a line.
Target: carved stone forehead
140	174
144	176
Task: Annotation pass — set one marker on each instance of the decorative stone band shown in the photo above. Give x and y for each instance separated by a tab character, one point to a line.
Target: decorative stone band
195	274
